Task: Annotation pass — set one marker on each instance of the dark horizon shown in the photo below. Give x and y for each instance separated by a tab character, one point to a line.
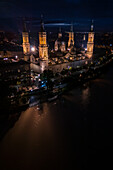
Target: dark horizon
14	24
77	11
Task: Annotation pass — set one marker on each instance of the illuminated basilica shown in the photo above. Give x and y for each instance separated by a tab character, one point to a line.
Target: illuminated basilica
61	57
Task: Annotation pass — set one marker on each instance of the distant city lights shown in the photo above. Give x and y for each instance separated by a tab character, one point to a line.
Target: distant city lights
86	62
5	59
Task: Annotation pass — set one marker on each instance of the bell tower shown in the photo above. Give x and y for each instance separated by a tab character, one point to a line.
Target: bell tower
71	37
90	43
26	44
60	33
56	45
43	48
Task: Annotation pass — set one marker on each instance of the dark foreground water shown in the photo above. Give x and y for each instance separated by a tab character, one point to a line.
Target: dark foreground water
74	132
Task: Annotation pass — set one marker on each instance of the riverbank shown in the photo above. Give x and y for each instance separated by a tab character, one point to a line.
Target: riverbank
78	124
73	81
69	79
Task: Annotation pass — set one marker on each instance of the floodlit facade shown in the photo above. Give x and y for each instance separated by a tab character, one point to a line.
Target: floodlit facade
90	43
61	57
43	48
71	38
26	44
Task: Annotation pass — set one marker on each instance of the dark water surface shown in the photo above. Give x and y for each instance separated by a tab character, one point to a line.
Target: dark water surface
74	132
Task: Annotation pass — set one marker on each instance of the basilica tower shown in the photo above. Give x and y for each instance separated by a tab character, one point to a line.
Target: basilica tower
60	33
43	48
71	37
26	44
90	43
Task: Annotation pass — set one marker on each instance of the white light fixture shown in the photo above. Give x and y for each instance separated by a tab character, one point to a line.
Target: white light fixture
33	49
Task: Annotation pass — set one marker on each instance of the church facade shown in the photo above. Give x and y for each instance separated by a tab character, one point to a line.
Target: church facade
90	43
64	57
25	37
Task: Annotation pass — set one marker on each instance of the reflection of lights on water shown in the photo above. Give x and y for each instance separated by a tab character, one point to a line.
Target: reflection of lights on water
40	114
85	95
43	85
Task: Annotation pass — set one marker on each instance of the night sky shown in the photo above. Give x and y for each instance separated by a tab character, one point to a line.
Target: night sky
80	12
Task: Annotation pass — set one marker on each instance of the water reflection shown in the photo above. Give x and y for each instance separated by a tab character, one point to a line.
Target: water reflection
85	96
48	138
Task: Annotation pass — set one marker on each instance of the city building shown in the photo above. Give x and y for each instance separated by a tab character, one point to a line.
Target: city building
71	38
26	44
60	58
60	43
9	49
43	48
90	43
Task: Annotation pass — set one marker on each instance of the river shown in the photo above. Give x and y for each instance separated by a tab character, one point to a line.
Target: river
73	132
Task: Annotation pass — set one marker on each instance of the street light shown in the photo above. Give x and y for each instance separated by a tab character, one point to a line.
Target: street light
33	49
16	57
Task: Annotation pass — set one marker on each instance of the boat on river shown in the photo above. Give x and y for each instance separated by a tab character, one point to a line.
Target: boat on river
52	98
34	103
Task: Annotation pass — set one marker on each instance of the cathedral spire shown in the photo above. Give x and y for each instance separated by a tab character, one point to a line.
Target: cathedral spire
90	43
71	37
92	26
59	33
59	29
71	27
42	24
43	48
25	37
24	25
